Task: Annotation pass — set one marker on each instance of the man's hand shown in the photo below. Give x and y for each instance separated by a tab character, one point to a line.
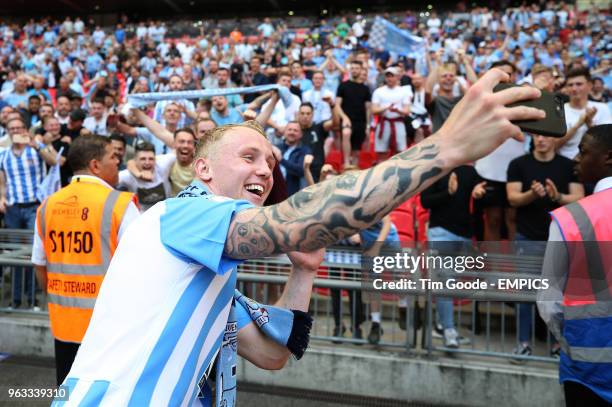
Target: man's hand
48	138
3	204
308	158
326	170
277	153
453	184
481	122
307	262
249	114
587	117
538	189
479	190
552	191
146	175
66	139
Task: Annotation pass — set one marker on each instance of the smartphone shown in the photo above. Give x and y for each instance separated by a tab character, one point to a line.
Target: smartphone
22	138
553	125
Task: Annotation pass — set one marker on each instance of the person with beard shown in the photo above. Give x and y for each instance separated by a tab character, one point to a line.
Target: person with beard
577	263
62	112
314	135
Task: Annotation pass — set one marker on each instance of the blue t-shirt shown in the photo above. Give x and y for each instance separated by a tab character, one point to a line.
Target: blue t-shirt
233	117
194	228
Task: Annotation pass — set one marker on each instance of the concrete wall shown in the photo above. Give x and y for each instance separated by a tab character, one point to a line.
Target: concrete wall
392	376
355	370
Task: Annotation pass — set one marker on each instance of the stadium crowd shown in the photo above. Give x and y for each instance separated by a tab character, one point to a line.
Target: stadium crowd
351	105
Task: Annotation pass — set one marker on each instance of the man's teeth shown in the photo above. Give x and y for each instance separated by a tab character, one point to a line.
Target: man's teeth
255	188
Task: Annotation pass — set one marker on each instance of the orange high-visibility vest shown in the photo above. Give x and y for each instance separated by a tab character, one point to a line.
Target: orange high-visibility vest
79	227
586	341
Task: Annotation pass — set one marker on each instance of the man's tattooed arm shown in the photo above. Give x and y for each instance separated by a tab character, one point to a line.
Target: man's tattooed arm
324	213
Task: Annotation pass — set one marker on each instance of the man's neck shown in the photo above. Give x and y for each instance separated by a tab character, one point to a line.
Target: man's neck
544	156
171	127
445	94
578	103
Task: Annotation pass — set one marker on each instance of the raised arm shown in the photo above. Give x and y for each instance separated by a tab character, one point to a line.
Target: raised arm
155	128
324	213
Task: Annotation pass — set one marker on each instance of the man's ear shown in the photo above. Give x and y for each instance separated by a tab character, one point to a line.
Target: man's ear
94	167
202	169
608	161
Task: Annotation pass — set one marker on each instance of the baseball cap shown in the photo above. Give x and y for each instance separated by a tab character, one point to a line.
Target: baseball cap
392	70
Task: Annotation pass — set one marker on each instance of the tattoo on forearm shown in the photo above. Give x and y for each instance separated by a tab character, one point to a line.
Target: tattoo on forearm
324	213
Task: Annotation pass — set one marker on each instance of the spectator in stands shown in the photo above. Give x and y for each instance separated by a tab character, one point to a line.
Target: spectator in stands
95	122
18	97
119	143
292	154
177	163
450	231
223	82
354	97
299	79
30	114
4	135
187	110
493	169
22	169
161	136
315	135
317	97
538	183
148	192
599	93
222	114
282	114
391	102
580	112
62	112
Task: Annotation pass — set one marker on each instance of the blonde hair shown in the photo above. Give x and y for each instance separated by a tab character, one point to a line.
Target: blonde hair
213	136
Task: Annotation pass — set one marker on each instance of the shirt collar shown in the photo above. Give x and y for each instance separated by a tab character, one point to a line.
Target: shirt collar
91	179
604	183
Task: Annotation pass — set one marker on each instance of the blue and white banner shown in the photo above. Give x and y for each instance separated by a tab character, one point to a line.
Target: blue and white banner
142	99
386	35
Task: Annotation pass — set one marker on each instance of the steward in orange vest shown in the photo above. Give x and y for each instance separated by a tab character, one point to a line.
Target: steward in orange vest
77	232
578	306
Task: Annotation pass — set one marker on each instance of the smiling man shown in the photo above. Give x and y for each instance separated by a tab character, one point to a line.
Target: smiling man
167	297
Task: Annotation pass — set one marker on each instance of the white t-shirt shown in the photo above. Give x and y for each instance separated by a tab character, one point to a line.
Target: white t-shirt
148	192
322	111
96	127
398	96
570	149
494	167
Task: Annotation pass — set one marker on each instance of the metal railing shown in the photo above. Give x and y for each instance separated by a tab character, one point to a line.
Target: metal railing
486	320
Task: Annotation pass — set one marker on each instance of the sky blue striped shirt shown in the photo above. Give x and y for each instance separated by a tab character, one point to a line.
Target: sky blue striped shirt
24	174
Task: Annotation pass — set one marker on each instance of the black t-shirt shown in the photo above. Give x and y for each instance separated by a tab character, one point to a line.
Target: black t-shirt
314	137
452	212
440	108
533	220
354	97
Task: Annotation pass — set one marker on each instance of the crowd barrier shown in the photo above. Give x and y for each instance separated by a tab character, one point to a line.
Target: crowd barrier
486	319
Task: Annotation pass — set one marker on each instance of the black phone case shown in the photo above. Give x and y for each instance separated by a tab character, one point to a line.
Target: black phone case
552	125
